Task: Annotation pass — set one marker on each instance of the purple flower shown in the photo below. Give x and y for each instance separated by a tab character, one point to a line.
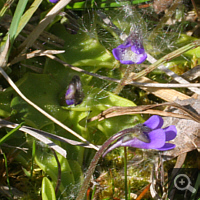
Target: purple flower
53	1
74	94
157	136
131	51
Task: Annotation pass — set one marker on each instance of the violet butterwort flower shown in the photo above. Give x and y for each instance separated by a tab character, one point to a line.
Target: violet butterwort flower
157	136
131	51
74	94
53	1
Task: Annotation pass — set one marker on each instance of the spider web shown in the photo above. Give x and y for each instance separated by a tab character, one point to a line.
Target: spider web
90	36
109	28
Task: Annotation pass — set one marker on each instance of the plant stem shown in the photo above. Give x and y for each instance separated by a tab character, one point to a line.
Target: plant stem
95	160
136	132
125	174
91	169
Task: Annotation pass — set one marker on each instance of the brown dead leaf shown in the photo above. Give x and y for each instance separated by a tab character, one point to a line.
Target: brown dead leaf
161	5
188	131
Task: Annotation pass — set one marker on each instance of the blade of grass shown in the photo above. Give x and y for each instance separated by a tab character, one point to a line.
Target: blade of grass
9	134
6	6
112	181
31	130
33	156
103	4
197	185
93	192
7	175
4	53
16	19
175	76
36	135
42	25
27	15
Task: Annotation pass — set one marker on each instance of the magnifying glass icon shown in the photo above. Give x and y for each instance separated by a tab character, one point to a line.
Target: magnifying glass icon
182	182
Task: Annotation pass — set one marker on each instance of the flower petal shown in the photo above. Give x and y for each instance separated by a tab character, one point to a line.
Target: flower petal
130	53
137	49
157	140
118	54
166	147
70	102
170	132
53	1
154	122
141	58
74	94
141	54
124	46
70	95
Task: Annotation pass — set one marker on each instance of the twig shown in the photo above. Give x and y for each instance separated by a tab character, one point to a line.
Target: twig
33	54
176	77
36	135
81	70
120	110
195	8
134	83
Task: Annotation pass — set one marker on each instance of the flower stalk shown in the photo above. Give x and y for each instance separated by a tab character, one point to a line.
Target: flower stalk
125	174
148	135
90	171
126	75
129	53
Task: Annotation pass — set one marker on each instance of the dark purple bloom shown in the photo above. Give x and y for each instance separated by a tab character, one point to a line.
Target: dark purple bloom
53	1
131	51
157	137
74	94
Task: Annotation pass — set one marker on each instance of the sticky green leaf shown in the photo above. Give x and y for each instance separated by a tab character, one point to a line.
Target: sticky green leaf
47	162
48	192
83	50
